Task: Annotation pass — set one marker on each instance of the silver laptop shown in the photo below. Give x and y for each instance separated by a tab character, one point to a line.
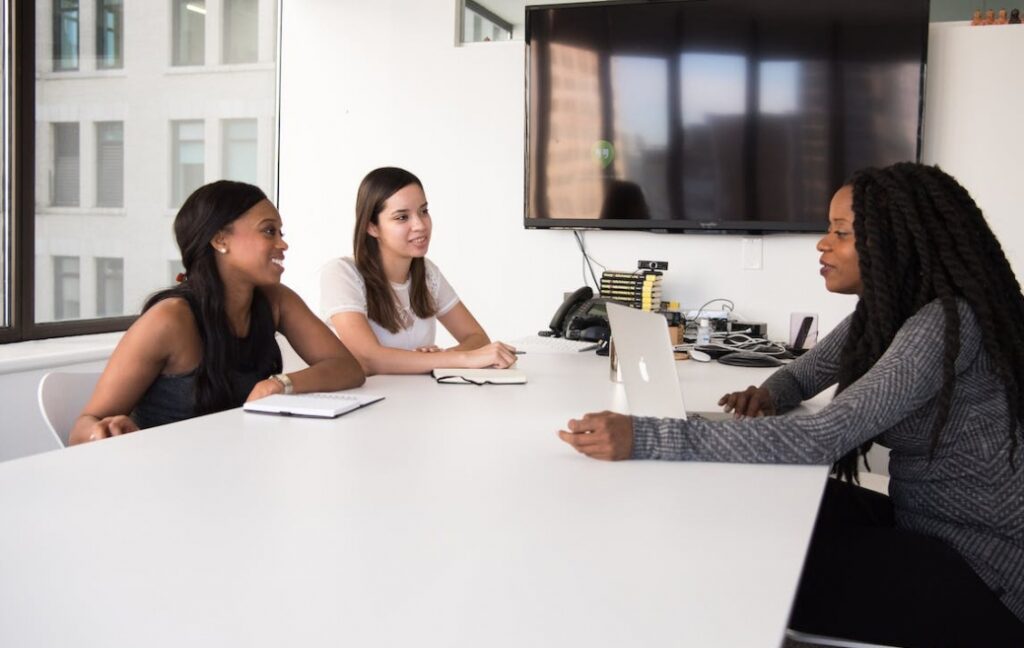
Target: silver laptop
648	365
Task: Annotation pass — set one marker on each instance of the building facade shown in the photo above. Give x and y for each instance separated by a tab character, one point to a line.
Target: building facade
138	103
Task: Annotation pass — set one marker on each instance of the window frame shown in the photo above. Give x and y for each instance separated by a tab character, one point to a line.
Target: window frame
21	39
226	35
59	276
102	267
116	61
57	13
99	177
20	128
66	127
178	53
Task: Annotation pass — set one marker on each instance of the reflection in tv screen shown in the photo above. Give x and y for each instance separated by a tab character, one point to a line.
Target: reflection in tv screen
725	115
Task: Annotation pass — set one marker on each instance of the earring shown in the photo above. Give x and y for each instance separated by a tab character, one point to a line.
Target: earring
222	250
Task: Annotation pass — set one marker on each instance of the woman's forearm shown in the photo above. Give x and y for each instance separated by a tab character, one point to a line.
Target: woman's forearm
331	374
386	360
471	342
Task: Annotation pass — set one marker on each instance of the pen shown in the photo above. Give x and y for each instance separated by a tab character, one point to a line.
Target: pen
520	352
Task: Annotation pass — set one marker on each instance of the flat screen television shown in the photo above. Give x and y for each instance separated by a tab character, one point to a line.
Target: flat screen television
715	115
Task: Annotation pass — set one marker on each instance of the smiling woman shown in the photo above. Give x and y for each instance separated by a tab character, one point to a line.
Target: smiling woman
384	301
208	344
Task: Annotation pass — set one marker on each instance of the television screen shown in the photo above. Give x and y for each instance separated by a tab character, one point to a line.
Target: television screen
720	115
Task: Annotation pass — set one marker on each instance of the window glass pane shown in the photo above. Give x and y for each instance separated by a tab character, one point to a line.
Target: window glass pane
480	24
117	154
65	287
109	164
65	34
109	287
240	150
189	32
189	149
109	26
240	31
65	165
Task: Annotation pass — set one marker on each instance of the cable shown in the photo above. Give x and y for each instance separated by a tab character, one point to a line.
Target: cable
700	310
587	261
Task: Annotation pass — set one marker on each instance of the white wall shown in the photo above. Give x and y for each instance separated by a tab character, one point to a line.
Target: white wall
399	92
973	124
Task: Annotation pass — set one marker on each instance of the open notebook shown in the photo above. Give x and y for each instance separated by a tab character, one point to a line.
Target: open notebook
316	404
480	376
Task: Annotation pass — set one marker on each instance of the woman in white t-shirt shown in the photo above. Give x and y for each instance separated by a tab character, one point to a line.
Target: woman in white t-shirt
385	300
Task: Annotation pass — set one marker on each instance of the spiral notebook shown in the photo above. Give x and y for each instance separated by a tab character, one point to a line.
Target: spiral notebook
315	405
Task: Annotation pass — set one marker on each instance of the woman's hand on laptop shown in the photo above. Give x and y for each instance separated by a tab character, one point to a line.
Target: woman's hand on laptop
752	401
601	435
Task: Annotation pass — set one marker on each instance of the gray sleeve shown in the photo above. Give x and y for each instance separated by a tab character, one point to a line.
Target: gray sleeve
811	373
905	378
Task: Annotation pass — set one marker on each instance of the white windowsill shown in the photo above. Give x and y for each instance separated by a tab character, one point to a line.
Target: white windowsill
222	68
80	211
56	352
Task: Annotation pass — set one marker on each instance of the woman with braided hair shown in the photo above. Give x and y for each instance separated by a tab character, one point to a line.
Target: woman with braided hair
930	364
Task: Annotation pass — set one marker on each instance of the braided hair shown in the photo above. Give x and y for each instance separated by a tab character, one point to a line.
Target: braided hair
919	238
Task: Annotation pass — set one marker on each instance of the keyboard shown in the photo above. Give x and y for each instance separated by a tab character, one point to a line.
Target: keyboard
538	344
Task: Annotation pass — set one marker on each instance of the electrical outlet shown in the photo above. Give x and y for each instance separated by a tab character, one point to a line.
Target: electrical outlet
652	265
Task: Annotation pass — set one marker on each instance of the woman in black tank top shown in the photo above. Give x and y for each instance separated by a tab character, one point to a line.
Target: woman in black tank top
208	344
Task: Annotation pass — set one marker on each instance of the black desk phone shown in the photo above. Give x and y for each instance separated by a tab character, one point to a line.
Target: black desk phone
582	317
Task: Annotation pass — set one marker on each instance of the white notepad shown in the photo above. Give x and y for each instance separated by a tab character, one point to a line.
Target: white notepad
316	404
480	376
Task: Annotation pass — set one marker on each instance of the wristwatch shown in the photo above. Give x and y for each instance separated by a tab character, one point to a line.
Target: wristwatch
285	381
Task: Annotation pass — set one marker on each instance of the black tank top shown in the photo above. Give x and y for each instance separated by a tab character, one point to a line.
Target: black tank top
171	397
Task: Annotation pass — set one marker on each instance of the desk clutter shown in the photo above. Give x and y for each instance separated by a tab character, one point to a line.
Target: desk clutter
990	17
639	289
740	350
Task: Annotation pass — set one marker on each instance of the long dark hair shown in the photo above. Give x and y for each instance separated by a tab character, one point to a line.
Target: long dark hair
920	237
381	304
209	210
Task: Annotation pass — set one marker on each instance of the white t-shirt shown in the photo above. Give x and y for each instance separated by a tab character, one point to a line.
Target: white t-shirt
342	290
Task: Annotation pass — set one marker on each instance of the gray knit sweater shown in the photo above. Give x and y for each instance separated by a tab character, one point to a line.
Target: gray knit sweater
967	495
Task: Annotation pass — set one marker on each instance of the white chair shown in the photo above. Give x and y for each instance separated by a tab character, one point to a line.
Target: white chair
62	395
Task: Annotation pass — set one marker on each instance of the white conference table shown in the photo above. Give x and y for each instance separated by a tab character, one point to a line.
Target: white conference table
446	515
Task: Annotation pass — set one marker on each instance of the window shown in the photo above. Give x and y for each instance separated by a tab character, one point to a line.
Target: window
189	152
65	34
240	31
239	156
109	164
65	287
102	161
109	287
109	34
189	32
65	165
480	24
